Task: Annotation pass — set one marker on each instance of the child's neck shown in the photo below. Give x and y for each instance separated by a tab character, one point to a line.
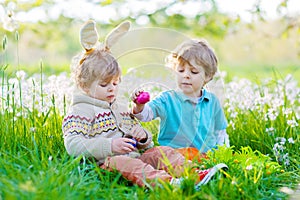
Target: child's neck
194	97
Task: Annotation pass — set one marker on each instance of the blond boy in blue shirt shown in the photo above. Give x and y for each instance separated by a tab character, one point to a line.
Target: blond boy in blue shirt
190	116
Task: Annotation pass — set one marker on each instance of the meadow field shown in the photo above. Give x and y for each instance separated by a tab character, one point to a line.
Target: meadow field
260	93
263	158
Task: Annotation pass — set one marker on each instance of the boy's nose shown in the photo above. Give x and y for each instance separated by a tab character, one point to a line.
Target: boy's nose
111	87
186	75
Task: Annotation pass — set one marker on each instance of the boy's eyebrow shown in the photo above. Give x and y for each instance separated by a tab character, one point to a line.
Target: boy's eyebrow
192	67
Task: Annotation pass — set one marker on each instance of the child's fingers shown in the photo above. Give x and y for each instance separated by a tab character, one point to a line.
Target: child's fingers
136	93
122	145
130	143
128	148
138	132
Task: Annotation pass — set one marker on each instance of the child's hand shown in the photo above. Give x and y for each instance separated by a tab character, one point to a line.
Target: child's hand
140	97
138	133
122	145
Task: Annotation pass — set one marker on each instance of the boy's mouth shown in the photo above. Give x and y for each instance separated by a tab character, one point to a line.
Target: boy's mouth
188	84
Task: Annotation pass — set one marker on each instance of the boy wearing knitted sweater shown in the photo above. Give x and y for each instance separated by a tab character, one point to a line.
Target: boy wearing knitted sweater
99	126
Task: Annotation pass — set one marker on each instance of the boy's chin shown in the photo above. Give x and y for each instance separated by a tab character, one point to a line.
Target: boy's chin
111	100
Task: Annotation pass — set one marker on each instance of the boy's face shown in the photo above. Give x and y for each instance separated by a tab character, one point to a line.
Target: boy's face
105	91
190	79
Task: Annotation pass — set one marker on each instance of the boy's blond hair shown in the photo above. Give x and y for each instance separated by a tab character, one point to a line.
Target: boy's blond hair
197	53
95	65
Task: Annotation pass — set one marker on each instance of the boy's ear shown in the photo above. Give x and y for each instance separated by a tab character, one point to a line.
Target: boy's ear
116	34
208	78
88	35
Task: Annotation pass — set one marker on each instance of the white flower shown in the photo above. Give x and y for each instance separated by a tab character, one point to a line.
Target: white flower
287	162
281	140
13	81
278	147
271	129
249	167
292	123
286	156
9	23
291	141
32	129
287	111
21	75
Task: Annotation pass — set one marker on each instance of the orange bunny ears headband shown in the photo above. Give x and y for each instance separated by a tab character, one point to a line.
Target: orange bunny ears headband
89	38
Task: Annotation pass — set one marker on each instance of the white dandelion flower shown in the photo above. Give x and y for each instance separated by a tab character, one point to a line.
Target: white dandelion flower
249	167
8	20
291	140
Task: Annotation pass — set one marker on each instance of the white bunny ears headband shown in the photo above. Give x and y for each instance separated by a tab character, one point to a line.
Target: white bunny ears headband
89	37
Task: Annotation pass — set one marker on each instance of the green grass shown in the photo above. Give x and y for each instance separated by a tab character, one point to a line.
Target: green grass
35	165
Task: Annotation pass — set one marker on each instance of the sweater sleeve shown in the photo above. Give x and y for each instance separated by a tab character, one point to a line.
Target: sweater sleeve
97	147
143	144
79	139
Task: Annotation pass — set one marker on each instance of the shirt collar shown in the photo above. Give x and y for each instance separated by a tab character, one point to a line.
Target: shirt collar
205	96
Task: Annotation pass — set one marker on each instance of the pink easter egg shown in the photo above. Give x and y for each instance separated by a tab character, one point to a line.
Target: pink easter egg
143	98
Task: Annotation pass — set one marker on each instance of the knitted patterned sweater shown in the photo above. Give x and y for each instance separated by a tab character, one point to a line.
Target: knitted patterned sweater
91	124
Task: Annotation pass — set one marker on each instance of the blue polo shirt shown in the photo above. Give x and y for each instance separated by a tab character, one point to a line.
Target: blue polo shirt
186	122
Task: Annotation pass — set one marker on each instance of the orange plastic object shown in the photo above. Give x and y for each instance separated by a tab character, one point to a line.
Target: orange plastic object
191	153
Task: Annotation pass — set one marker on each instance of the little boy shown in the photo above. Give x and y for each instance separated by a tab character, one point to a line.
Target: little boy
190	116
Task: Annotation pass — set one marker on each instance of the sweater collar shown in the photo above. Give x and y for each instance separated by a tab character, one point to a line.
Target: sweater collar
83	98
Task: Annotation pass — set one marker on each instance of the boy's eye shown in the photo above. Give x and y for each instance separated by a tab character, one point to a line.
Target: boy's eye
195	72
103	84
180	69
115	83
